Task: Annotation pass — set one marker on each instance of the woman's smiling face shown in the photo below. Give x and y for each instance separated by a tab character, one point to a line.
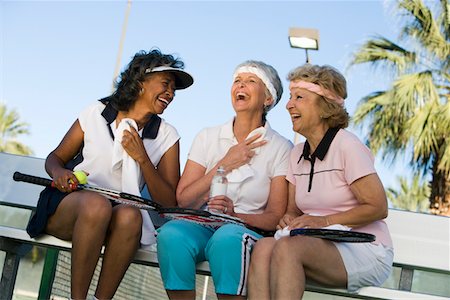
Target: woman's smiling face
304	110
159	91
248	92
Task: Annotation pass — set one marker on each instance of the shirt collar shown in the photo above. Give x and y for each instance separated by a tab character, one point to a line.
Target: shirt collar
150	130
323	147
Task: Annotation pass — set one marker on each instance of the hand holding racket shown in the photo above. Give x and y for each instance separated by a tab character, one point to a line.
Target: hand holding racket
116	196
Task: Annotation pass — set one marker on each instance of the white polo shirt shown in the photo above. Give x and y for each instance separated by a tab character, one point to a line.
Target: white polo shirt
98	124
250	195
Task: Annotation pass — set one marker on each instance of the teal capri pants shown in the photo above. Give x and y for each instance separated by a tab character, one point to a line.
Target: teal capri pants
181	245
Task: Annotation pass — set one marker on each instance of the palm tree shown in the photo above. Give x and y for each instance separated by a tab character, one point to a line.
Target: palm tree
413	114
412	196
10	129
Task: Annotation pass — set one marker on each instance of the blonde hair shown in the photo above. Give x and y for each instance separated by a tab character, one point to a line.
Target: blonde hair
330	79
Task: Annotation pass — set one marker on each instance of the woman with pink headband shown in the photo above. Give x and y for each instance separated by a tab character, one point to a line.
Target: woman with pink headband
255	158
332	183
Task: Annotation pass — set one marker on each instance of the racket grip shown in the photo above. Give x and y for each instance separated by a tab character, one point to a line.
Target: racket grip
17	176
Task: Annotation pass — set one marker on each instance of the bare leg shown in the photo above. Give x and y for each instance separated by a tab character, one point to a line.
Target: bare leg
82	217
258	276
296	258
181	295
121	246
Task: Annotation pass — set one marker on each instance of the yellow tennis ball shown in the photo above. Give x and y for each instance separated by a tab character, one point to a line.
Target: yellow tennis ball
81	177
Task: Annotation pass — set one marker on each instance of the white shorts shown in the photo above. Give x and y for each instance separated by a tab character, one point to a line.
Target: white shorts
366	264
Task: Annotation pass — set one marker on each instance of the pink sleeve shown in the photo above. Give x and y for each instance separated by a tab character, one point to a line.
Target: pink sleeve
358	160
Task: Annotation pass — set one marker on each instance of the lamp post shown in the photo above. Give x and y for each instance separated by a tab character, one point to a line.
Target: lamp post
303	38
122	40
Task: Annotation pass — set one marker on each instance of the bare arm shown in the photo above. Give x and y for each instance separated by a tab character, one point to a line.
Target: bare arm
369	192
64	152
292	210
161	181
276	206
194	185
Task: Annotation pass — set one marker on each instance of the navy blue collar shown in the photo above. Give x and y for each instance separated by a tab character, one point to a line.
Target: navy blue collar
323	147
150	130
319	153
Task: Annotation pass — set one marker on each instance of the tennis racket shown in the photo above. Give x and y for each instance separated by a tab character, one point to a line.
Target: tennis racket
116	196
206	218
334	235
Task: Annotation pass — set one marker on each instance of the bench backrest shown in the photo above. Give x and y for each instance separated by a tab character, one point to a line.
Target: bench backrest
420	240
19	193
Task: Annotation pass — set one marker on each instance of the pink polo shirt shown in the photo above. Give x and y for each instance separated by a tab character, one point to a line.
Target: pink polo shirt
345	161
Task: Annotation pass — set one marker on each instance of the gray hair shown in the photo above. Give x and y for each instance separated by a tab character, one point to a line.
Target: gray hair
270	73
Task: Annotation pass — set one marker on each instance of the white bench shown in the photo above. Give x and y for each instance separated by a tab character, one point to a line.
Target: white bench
421	242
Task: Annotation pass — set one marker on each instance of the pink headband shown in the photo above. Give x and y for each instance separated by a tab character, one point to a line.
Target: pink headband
317	89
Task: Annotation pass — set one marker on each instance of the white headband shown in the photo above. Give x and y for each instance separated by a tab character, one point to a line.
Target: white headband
261	75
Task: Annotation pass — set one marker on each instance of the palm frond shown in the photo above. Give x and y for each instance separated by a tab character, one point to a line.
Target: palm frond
424	28
378	111
381	51
422	129
413	195
10	129
415	90
15	147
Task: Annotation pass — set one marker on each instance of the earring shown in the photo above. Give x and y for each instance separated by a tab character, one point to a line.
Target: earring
141	92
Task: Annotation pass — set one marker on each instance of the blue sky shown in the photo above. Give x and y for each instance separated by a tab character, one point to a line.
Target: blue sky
57	57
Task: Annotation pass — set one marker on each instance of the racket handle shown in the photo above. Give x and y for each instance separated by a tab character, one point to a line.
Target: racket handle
17	176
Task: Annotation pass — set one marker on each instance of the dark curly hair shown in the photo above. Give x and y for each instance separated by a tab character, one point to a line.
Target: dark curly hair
129	84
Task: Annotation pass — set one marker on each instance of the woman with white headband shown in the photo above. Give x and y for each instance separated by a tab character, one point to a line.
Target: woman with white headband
255	158
332	182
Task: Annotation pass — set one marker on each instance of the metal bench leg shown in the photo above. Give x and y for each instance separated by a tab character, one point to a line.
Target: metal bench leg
9	275
48	274
406	278
14	251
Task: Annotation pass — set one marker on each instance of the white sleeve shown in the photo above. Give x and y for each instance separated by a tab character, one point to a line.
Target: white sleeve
197	152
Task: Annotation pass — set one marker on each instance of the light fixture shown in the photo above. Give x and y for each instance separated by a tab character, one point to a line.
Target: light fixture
304	38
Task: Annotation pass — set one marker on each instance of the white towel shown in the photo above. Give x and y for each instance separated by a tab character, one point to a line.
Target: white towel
131	173
245	171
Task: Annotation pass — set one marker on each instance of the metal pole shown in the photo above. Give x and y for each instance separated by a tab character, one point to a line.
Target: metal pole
297	135
122	39
205	288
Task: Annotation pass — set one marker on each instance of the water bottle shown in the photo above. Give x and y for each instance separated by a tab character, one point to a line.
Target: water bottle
219	184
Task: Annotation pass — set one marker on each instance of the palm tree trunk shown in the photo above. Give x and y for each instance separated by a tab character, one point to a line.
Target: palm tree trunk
440	191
